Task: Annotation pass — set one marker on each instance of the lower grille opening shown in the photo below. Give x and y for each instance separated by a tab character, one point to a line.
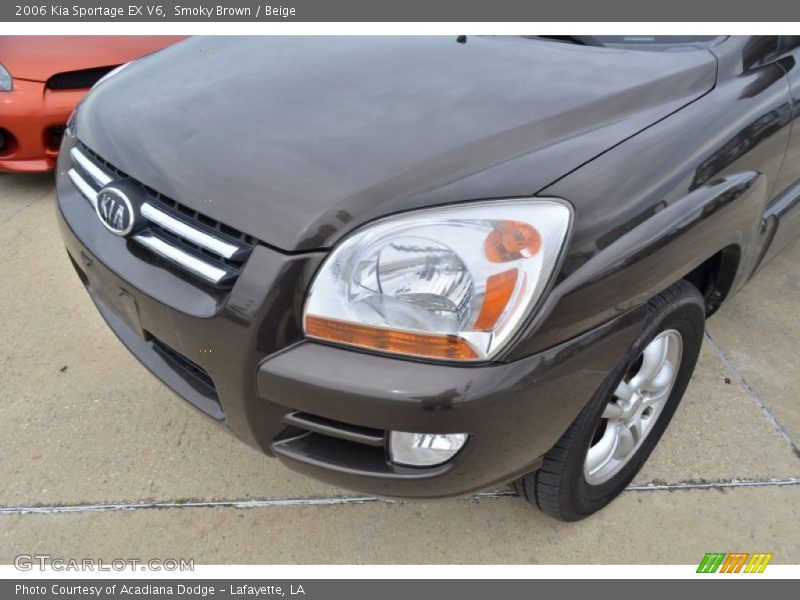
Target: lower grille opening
190	368
53	136
305	422
318	442
8	144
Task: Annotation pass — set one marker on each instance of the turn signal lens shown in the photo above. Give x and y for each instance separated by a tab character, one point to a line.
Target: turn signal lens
450	283
499	289
402	342
510	240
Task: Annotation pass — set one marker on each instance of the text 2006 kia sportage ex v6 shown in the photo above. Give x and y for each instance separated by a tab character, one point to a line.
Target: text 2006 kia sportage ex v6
426	266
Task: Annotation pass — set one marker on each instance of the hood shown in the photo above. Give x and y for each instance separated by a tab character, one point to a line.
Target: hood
298	140
38	57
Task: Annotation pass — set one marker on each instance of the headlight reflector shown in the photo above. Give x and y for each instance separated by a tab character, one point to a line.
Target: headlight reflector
6	83
453	282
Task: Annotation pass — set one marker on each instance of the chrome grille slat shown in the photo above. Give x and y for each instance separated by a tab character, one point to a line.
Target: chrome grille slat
99	175
209	272
172	232
83	187
184	230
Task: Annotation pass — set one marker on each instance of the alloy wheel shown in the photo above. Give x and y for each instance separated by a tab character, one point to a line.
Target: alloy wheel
634	408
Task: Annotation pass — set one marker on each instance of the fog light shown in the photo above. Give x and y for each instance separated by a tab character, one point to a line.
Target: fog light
424	449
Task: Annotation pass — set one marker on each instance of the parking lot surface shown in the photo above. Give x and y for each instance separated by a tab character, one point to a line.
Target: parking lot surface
99	459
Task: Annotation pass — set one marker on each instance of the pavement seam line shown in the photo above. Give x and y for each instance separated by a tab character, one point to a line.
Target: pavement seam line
713	485
742	382
346	500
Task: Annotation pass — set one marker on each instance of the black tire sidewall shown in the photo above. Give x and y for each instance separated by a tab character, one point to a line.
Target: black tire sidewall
685	314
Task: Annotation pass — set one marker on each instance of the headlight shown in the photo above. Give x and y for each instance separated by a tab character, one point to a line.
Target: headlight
5	80
450	283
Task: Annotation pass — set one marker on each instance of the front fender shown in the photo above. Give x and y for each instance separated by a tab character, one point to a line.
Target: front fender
675	239
651	209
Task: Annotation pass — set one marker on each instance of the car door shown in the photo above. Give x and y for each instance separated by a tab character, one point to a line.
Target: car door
783	213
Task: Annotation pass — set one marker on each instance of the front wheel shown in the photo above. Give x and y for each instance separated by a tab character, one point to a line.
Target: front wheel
613	436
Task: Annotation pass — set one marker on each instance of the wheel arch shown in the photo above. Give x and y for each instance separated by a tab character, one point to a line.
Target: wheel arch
715	276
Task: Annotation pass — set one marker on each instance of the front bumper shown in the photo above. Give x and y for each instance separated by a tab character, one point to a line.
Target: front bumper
32	119
240	357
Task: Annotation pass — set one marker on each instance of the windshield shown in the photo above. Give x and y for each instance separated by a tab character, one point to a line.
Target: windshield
637	42
654	40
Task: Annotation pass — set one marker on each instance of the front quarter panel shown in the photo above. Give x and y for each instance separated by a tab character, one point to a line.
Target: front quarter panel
655	207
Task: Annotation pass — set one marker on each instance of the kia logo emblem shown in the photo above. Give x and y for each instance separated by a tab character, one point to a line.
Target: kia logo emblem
115	211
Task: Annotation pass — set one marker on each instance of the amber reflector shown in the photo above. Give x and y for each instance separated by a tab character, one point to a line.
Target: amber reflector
510	240
421	344
499	289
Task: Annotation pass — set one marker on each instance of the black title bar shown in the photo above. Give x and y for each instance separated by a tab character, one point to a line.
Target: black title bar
398	589
399	11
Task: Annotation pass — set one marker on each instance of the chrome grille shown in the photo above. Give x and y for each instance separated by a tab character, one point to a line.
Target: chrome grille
198	245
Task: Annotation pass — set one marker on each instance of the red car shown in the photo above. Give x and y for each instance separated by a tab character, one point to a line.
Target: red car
42	78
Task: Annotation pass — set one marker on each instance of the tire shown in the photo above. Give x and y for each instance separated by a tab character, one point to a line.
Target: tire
572	483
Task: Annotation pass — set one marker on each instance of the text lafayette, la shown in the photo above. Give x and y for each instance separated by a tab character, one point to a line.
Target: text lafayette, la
211	590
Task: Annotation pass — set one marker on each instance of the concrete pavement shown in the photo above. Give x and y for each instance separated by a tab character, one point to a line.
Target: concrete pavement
726	476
